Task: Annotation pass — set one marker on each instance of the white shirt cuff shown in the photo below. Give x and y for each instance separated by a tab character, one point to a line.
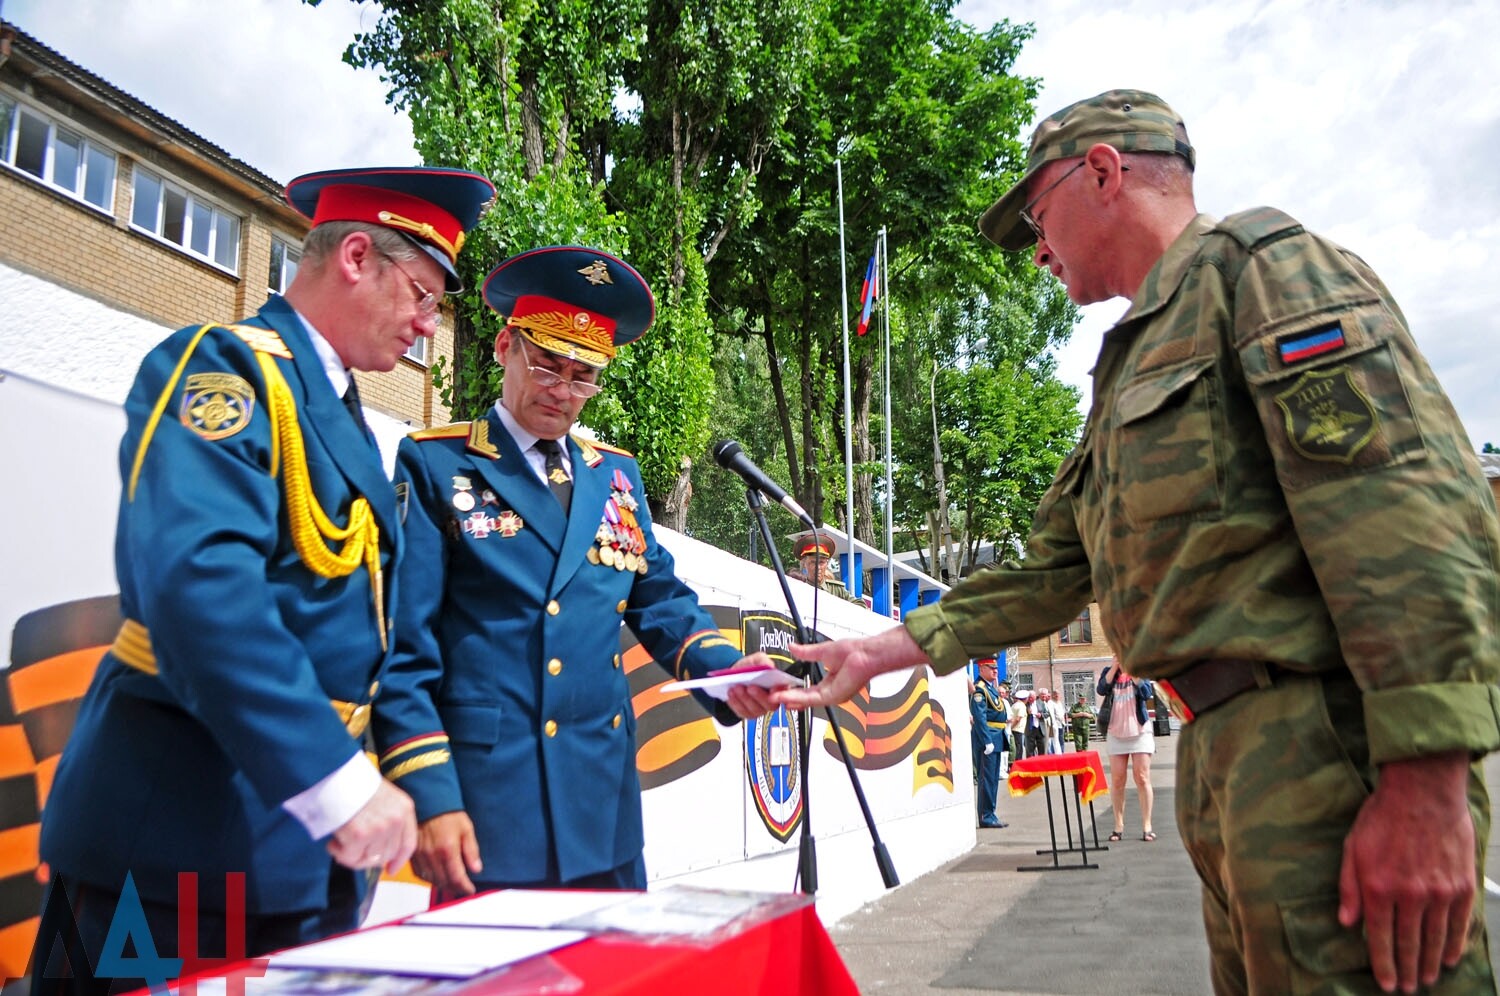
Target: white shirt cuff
335	800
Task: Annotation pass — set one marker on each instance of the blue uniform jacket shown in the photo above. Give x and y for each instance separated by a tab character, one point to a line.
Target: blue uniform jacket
506	697
995	713
186	769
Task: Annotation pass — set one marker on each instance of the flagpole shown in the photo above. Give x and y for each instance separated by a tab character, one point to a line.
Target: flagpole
852	582
890	554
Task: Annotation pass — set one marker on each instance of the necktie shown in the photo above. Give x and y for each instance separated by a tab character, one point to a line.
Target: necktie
557	475
351	402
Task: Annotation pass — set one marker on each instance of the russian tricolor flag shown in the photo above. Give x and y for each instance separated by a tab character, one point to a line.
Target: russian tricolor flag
868	293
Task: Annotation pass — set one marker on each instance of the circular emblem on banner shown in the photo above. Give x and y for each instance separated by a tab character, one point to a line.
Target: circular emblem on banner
775	770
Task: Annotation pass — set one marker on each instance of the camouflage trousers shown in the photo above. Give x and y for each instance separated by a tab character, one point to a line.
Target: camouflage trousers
1268	785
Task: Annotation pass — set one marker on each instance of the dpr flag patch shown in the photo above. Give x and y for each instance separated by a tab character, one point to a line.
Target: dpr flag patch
1299	346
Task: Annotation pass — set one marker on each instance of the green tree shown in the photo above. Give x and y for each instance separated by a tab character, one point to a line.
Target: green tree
922	113
526	94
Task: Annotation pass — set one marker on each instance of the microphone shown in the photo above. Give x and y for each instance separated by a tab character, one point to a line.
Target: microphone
729	455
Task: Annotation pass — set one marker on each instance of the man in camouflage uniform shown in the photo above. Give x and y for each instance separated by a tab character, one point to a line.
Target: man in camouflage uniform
1081	723
1271	491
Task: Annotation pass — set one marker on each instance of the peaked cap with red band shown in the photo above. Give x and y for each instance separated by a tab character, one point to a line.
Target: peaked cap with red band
814	544
432	207
577	302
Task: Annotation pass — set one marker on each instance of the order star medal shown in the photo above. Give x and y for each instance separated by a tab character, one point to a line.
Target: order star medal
508	523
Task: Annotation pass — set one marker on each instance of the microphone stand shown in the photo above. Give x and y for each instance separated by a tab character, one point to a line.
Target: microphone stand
807	855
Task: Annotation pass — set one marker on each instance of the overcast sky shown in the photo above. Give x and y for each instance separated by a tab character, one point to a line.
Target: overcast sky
1376	123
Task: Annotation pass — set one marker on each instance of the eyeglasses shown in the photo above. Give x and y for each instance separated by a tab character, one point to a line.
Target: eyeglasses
427	301
548	379
1031	220
1026	215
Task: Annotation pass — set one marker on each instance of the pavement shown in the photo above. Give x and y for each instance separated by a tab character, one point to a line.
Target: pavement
1132	925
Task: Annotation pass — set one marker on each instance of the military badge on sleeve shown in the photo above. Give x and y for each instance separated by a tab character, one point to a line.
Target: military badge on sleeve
216	405
1300	346
1327	416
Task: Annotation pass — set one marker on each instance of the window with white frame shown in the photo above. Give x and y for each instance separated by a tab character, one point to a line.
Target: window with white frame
35	144
176	215
418	350
285	258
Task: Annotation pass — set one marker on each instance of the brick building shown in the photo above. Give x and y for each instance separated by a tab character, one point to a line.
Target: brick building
1069	661
103	197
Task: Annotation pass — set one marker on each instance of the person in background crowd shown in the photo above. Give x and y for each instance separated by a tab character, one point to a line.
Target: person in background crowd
1081	722
815	566
1128	740
1270	487
1018	714
256	549
1036	724
1056	722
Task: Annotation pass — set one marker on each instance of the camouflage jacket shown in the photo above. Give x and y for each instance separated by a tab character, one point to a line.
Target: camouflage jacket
1270	471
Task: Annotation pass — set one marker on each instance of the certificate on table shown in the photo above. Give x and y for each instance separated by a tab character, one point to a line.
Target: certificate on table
521	908
686	912
430	951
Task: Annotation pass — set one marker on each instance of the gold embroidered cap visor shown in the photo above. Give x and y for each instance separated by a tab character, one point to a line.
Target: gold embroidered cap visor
579	303
431	207
1128	120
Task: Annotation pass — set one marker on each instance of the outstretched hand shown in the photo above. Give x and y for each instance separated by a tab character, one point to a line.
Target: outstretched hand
848	666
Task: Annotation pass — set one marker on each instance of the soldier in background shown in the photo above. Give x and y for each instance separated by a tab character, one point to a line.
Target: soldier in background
1081	721
990	714
1270	487
814	556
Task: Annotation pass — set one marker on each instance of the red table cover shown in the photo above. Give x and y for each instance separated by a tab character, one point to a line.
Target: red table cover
786	955
1027	773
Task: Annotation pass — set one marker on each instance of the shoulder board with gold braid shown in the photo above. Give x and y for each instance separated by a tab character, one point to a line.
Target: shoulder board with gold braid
591	446
452	430
476	434
261	340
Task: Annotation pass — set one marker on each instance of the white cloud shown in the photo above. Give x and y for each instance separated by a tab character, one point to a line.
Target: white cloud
260	78
1373	123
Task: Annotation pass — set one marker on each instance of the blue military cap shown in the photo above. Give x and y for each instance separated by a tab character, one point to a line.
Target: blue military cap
574	301
432	207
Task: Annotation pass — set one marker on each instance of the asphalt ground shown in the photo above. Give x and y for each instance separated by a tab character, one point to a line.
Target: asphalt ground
1132	925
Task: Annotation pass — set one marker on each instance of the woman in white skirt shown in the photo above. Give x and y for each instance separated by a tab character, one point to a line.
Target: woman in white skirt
1128	738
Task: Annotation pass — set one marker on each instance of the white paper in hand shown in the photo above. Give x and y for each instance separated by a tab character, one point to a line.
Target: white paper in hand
718	683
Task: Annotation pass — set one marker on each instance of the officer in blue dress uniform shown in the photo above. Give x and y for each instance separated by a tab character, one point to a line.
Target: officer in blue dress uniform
988	704
506	714
256	545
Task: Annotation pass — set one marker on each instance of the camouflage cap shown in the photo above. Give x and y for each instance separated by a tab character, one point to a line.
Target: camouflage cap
1128	120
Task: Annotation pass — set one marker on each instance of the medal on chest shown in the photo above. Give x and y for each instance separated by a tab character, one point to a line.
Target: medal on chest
619	541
